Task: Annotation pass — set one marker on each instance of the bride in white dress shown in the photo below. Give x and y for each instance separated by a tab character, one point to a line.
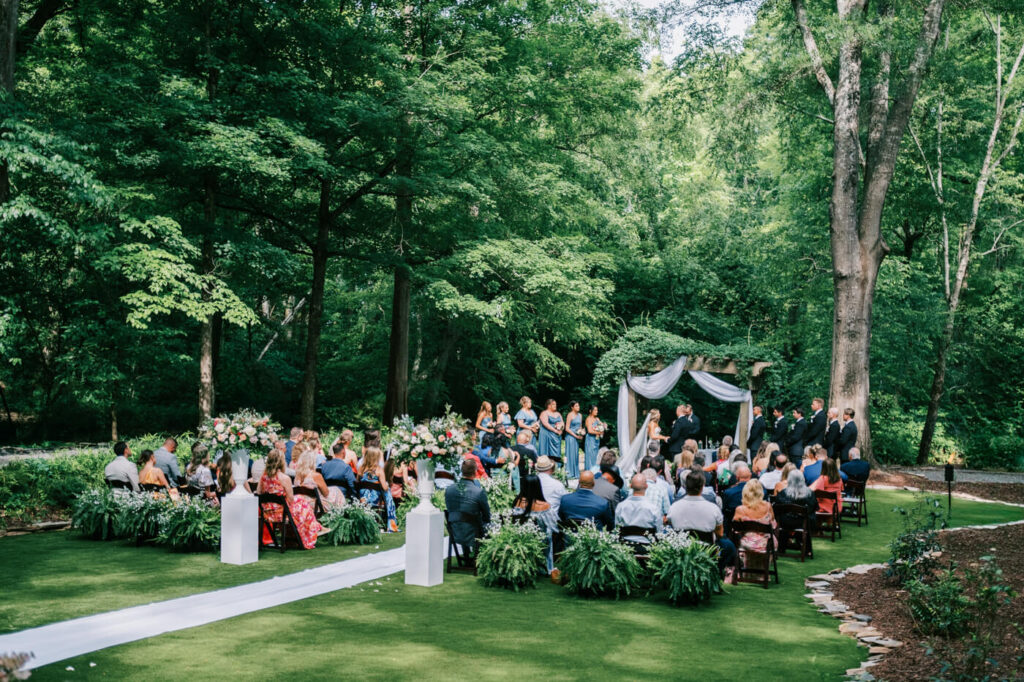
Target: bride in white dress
653	432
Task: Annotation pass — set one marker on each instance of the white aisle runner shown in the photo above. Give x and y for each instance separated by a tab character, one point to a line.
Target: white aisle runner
70	638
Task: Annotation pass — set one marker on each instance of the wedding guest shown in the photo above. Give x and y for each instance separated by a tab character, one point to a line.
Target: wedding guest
795	491
856	469
225	481
761	459
795	441
397	476
813	470
345	453
719	464
549	441
831	439
831	482
275	481
491	453
784	475
847	435
754	508
772	477
757	430
306	476
693	512
151	474
592	440
585	504
553	488
815	434
372	471
371	439
637	511
573	437
656	494
121	469
468	509
732	497
523	456
167	462
526	418
471	456
608	482
338	474
312	441
294	438
484	421
198	473
654	430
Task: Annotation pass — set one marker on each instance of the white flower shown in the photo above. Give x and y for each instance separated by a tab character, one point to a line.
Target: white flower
219	427
249	430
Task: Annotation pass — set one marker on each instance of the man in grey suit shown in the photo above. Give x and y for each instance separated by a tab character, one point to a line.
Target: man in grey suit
166	461
468	510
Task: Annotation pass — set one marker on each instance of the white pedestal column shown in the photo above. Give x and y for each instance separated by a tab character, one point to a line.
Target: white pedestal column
424	542
239	529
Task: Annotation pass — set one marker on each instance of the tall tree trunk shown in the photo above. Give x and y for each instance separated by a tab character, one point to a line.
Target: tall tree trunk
316	305
206	340
440	368
396	400
8	53
113	423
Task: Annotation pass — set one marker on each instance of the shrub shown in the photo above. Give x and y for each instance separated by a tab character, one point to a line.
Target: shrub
597	564
911	550
500	495
138	515
512	555
687	569
353	524
191	525
94	513
939	607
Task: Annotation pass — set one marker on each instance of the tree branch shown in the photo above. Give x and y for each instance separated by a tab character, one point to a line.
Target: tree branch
812	51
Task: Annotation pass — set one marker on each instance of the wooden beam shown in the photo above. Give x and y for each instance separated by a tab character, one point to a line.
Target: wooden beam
631	417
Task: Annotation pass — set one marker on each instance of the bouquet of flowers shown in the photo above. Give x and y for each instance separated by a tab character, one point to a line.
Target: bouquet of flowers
442	439
599	427
243	430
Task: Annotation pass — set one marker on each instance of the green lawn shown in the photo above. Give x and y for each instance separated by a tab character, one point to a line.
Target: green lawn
462	630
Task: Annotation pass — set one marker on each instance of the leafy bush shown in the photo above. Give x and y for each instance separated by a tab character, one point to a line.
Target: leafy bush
94	513
597	564
191	525
911	550
353	524
500	495
687	569
512	555
939	607
41	486
139	514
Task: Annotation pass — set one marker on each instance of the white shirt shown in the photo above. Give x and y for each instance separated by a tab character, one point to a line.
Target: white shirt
695	513
638	511
770	479
552	489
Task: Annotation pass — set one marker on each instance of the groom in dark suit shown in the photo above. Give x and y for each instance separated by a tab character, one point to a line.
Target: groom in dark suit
679	430
847	435
816	429
757	429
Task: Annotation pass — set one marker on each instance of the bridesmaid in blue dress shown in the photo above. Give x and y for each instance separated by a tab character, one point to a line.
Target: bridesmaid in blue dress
592	441
574	420
550	440
526	418
483	422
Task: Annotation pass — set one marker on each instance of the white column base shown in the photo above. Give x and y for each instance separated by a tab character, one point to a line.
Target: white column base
424	546
239	529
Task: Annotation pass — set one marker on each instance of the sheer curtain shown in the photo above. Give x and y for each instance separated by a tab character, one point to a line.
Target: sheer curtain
725	392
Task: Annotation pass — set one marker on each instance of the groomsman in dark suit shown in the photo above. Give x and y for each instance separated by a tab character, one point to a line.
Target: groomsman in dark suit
679	430
847	435
831	440
795	442
757	429
781	431
816	429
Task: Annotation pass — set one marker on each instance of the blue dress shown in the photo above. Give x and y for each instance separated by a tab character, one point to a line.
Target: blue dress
591	444
372	497
485	422
572	448
528	417
548	442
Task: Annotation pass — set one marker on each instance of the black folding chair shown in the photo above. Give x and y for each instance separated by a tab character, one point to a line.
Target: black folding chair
640	548
314	496
280	531
798	536
755	567
828	522
463	559
855	503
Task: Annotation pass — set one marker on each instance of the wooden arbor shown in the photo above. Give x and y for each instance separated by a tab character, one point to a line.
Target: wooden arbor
754	374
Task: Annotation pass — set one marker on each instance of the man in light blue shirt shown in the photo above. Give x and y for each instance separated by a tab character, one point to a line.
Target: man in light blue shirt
636	510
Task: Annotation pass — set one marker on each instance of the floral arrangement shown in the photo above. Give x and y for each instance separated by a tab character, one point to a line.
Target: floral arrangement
244	429
10	666
442	439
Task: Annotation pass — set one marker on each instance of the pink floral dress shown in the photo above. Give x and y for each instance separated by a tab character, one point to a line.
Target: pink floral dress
300	508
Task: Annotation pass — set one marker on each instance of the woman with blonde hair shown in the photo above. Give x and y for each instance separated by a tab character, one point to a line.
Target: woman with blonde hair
526	418
654	431
754	508
372	471
785	476
312	441
484	421
276	482
762	458
306	476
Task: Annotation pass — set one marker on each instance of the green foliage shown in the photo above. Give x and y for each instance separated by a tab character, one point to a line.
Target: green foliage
685	568
95	512
139	514
190	525
512	555
34	487
353	524
500	495
911	551
939	606
597	564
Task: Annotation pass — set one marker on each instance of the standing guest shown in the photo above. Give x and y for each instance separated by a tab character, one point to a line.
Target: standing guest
573	437
847	435
757	430
275	481
484	421
754	508
586	504
831	439
294	436
306	476
592	441
770	478
654	430
549	441
815	434
780	433
372	471
608	484
151	474
530	501
637	511
526	418
831	482
795	441
552	487
338	474
761	459
167	461
121	469
693	512
198	473
468	509
856	469
677	438
795	491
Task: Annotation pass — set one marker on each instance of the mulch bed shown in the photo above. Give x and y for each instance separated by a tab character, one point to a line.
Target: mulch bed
1003	492
873	594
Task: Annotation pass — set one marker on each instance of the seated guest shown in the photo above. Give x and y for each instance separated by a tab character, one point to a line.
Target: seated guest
530	501
306	476
761	459
471	456
856	469
585	504
121	469
275	481
346	453
732	497
754	508
167	461
830	481
657	494
608	480
198	473
468	510
795	492
151	474
693	512
294	436
786	468
773	476
709	477
637	511
811	465
338	473
225	481
372	471
397	476
491	445
312	441
719	464
552	487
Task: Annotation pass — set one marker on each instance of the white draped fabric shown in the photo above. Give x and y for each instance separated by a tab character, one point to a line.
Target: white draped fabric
659	385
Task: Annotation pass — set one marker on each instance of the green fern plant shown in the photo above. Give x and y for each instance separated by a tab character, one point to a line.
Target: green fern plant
190	526
685	568
512	555
138	515
94	513
597	564
353	524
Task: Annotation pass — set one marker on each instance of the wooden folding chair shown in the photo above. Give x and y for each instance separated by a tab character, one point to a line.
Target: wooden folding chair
794	538
828	522
280	531
381	506
760	566
314	496
855	503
